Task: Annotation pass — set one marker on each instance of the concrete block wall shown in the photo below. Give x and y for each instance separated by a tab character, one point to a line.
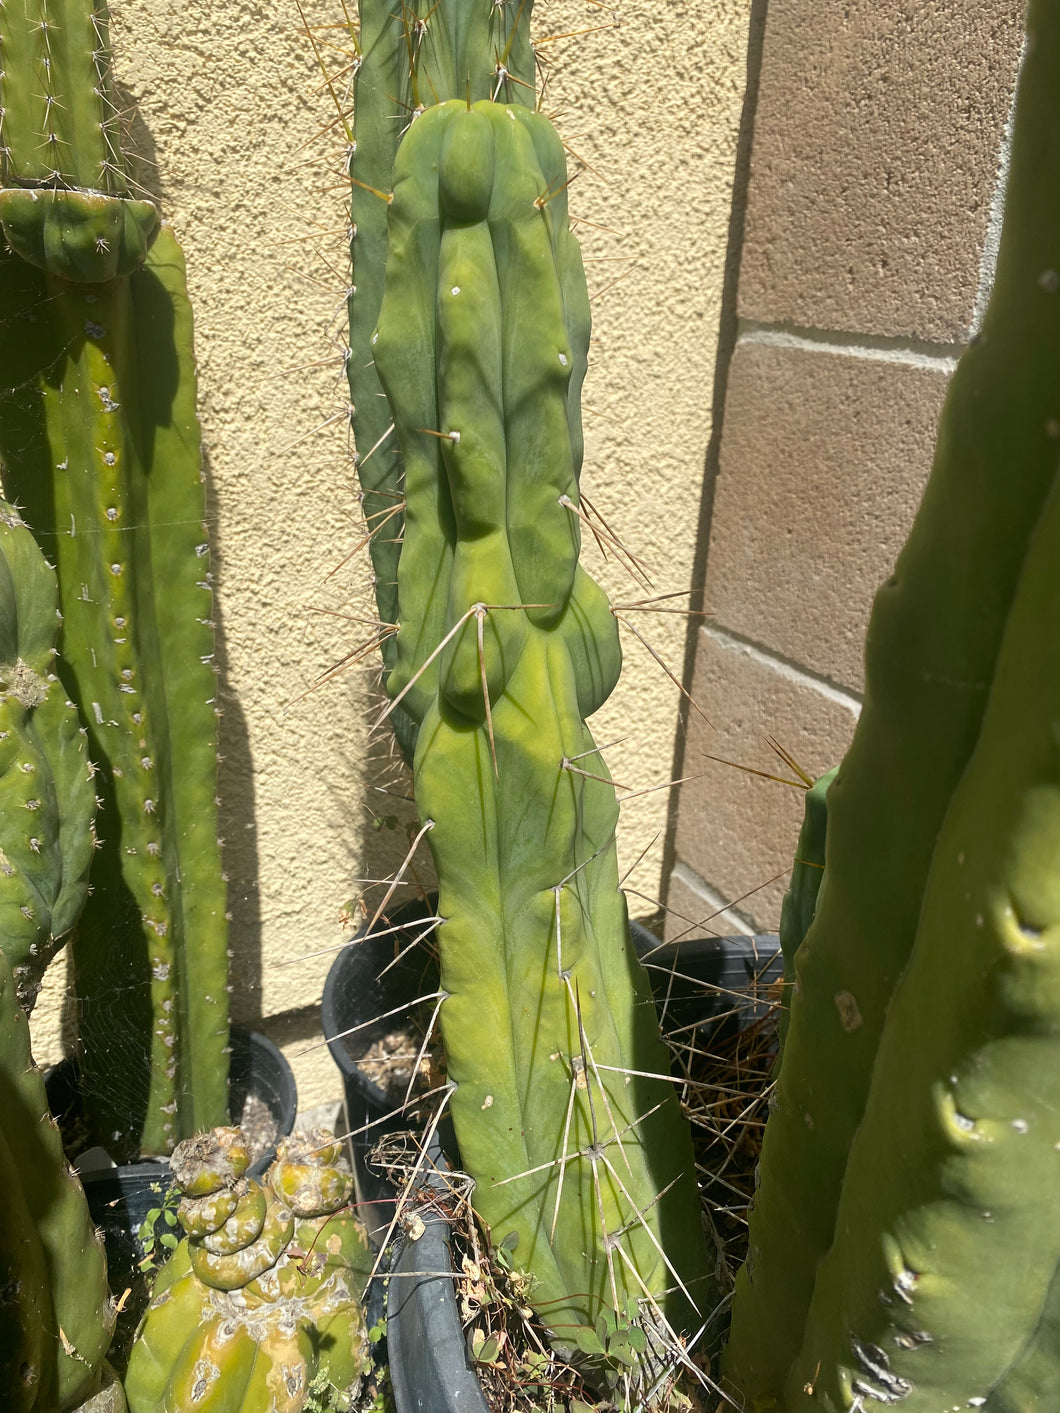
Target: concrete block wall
872	214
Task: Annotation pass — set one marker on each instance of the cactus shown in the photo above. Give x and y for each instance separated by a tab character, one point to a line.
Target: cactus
410	56
56	1316
921	1012
931	650
505	646
952	1172
100	447
47	799
259	1304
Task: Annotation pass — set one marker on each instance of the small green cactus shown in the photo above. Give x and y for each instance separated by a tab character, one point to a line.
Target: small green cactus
100	449
564	1118
47	798
260	1303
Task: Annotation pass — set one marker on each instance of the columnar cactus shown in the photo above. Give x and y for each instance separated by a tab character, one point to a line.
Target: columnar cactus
56	1316
259	1306
576	1143
47	798
410	56
100	449
919	1054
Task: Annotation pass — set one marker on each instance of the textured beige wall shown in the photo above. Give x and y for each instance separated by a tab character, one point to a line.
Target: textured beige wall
230	108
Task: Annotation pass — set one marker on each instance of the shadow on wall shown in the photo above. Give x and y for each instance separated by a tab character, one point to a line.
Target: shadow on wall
727	332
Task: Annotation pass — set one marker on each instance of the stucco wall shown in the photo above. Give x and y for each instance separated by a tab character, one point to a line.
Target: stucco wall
230	109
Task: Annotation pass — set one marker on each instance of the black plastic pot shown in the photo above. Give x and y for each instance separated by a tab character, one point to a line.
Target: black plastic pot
119	1198
699	983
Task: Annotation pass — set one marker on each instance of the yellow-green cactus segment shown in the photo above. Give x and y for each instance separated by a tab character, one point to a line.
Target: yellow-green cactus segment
410	56
64	195
948	1230
100	445
550	1034
931	648
258	1328
55	1311
47	798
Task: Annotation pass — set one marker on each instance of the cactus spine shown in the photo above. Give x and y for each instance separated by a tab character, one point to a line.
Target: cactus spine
47	798
55	1312
506	645
862	1044
100	448
258	1308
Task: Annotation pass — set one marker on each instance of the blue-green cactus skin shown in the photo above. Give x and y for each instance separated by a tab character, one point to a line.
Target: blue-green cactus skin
505	646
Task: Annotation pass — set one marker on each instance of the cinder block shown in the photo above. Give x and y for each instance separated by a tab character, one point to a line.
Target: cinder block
877	137
823	461
737	831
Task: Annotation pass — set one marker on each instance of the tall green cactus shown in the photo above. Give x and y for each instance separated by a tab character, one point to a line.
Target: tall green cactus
950	1203
259	1307
56	1316
897	979
506	646
100	447
410	55
47	798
